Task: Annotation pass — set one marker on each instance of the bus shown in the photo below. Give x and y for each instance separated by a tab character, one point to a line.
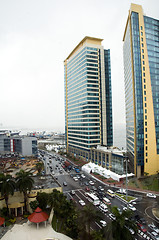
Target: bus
106	201
110	193
93	198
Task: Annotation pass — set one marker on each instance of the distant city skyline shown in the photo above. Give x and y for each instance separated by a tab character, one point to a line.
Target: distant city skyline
35	38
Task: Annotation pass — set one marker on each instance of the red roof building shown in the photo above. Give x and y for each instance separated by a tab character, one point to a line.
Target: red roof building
38	216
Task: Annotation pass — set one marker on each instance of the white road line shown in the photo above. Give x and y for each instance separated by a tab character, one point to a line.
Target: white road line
98	225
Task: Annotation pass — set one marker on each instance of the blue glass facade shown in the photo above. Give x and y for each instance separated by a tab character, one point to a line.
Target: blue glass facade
138	89
152	40
83	109
141	70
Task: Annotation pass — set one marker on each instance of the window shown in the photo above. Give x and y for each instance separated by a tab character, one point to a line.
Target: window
145	110
146	160
144	92
146	148
141	33
142	56
144	98
144	86
146	142
142	45
145	117
143	68
145	104
141	27
145	135
144	74
142	39
143	62
144	80
142	50
145	129
146	154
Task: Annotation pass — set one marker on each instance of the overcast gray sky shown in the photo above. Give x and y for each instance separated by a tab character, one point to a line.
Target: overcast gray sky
35	38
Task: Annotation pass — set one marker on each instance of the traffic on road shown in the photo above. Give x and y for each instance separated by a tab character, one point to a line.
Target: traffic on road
82	188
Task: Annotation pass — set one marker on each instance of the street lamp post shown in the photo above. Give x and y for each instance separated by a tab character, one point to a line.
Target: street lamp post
126	179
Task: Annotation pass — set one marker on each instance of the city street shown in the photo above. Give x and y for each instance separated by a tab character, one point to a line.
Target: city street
53	165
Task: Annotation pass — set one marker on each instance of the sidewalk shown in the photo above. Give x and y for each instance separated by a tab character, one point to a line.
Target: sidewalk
30	232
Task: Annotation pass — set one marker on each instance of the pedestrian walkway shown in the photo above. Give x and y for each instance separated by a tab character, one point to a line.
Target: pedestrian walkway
30	232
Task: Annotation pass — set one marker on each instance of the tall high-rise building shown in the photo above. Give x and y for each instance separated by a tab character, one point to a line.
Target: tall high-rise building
88	97
141	70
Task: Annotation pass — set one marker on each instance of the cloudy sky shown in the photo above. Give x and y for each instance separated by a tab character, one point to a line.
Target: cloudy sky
35	38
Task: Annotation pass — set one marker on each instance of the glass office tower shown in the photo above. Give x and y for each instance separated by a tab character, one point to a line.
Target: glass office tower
88	98
141	72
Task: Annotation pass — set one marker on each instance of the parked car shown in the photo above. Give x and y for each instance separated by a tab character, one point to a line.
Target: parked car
153	227
73	192
141	227
103	207
81	202
103	223
87	189
111	215
83	176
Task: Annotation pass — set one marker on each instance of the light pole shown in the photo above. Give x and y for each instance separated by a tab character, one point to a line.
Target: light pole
126	160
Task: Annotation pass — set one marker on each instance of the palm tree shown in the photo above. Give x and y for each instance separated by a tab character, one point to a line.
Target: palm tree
120	226
24	183
88	216
7	187
39	167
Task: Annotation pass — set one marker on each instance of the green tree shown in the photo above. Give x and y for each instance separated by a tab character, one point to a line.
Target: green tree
42	199
39	167
24	183
7	187
87	217
119	228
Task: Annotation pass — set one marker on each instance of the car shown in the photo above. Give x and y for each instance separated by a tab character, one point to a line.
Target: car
75	179
94	188
91	182
72	192
141	227
125	208
151	195
65	183
87	189
111	215
153	227
154	235
86	183
103	223
81	202
71	175
82	175
131	207
101	188
103	207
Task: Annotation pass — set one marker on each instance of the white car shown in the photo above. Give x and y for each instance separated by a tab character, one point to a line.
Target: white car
131	207
103	207
75	179
81	202
91	182
111	215
151	195
154	228
103	223
83	176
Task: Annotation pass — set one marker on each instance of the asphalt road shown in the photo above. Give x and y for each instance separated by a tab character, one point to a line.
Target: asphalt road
144	205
